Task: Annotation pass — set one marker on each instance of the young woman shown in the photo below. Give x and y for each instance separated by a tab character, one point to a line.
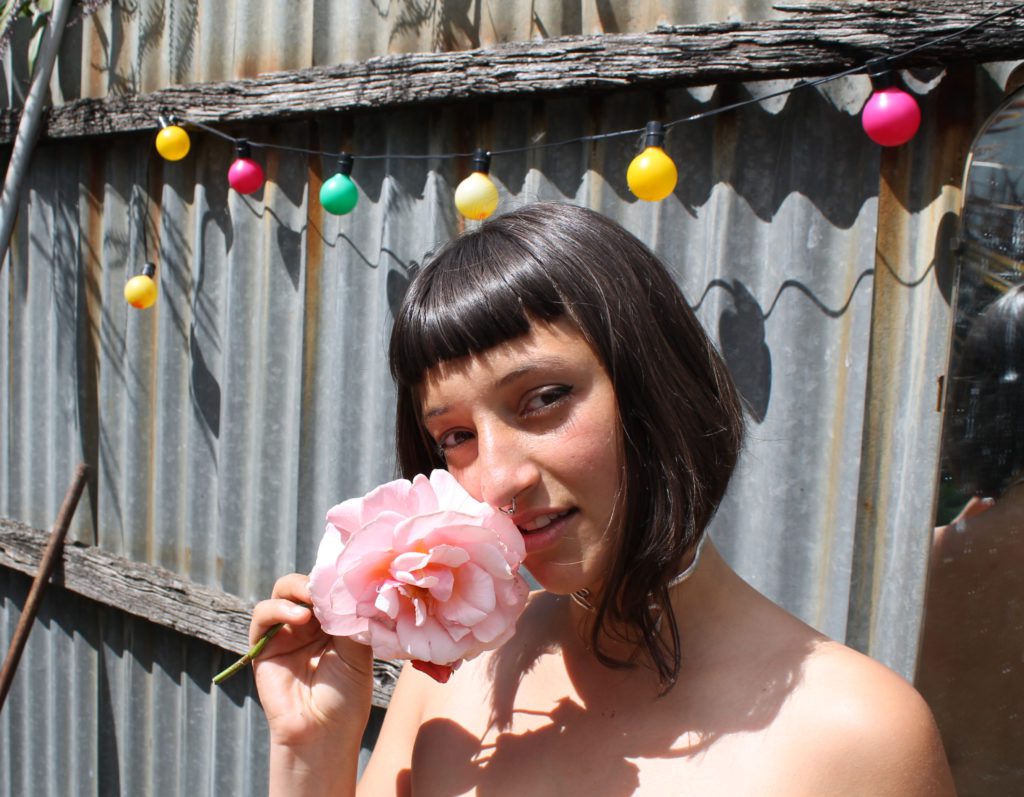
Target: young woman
550	363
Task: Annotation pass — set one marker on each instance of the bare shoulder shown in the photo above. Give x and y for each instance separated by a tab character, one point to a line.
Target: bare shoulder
863	729
388	769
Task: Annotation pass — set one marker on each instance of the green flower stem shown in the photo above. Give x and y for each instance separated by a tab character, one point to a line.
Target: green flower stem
250	654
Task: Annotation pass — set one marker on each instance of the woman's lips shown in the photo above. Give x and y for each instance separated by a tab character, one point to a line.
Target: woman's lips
546	536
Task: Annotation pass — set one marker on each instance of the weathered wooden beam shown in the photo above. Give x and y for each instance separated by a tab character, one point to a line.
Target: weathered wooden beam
150	592
821	38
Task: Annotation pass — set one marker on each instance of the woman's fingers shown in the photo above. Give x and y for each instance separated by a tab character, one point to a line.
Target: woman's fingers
284	607
277	610
294	587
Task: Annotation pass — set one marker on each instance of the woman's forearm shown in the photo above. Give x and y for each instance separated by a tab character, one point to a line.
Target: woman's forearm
320	771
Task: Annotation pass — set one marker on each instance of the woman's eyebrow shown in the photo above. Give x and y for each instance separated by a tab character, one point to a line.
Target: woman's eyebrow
538	364
435	412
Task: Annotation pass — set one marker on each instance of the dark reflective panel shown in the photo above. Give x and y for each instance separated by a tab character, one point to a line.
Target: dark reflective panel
971	667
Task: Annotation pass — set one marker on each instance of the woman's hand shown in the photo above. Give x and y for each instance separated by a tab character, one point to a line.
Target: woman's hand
315	688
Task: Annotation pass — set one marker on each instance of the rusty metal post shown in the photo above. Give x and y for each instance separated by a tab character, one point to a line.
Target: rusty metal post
51	556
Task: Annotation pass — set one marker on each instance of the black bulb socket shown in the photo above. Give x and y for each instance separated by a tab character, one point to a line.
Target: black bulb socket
655	134
881	74
481	161
345	164
149	270
242	149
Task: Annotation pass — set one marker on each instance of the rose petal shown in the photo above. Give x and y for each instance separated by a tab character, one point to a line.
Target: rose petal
384	641
337	614
513	592
377	535
491	558
363	574
440	555
429	641
458	633
388	600
438	581
423	497
493	626
439	672
476	587
422	532
351	515
409	561
447	555
500	624
420	612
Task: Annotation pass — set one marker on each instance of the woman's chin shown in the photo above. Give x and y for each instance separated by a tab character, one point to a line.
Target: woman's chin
557	579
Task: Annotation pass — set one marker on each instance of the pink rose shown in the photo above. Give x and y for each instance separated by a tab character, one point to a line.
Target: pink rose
420	570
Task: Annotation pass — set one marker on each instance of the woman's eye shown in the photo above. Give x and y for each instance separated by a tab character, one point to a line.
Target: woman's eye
546	398
450	440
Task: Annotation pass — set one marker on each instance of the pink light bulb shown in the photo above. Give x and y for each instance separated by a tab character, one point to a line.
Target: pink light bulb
245	174
891	117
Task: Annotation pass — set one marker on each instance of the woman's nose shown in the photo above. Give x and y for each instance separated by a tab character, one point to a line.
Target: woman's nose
507	467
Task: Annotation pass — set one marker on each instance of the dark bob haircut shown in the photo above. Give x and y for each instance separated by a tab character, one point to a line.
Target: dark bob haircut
681	421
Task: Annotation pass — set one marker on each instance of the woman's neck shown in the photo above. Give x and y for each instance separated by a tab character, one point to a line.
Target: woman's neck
704	606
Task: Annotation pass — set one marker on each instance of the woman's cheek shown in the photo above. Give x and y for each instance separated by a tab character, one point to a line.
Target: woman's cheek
463	477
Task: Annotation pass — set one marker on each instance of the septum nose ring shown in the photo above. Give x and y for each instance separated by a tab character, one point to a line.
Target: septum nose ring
511	510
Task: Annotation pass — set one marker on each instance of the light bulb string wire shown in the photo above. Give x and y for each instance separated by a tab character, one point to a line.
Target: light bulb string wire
138	211
889	60
145	206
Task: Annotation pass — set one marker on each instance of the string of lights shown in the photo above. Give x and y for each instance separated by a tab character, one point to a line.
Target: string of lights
890	118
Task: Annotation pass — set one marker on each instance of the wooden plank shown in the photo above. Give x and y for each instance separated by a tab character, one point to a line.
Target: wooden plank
821	38
151	592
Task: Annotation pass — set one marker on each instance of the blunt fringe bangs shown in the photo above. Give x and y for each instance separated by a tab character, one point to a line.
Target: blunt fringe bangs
484	295
679	413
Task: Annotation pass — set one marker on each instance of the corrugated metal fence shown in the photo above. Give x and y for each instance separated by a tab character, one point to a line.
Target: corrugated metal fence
254	395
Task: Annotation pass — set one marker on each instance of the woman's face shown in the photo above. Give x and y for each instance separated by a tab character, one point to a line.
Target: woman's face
536	419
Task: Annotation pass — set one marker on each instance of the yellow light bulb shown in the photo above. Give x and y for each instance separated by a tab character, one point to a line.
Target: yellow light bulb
652	175
476	197
140	290
173	143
